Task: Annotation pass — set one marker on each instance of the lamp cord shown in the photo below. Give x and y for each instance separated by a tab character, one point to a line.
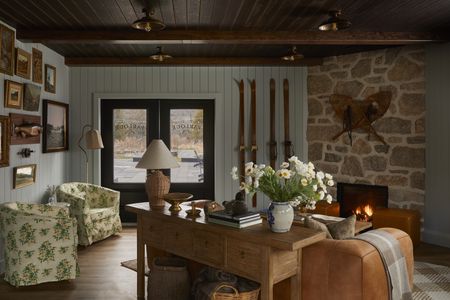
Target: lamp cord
82	149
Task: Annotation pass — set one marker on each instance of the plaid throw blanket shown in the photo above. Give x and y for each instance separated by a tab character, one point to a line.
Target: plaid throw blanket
393	260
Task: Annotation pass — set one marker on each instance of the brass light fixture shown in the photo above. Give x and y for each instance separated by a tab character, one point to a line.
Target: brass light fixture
292	55
148	23
160	55
335	22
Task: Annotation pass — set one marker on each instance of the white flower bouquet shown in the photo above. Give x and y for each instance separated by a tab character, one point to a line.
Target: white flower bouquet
295	182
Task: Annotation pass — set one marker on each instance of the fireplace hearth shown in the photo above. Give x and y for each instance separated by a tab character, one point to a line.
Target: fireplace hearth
361	199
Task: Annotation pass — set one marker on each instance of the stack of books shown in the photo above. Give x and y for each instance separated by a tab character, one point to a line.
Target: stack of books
237	221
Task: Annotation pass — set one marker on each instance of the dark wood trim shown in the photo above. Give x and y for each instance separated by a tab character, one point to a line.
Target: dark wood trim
229	37
176	61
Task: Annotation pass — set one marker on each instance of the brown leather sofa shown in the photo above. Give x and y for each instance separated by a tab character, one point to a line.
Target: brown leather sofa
349	269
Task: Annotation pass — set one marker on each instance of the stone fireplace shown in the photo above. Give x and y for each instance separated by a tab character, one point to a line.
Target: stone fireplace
399	165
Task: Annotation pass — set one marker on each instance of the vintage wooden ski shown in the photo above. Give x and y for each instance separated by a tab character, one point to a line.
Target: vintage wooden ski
287	141
241	129
273	142
254	147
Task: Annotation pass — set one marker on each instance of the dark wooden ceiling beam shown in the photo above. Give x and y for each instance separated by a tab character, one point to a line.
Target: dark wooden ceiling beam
178	61
230	37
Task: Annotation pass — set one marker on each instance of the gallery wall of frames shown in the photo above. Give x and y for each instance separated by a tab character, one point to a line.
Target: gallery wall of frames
33	119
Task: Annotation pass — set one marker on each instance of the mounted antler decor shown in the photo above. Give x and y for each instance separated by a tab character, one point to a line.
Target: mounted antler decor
360	114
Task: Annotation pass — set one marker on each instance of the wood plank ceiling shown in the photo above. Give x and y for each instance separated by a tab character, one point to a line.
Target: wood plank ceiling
292	16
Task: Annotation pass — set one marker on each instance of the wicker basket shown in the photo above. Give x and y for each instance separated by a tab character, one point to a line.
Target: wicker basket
250	295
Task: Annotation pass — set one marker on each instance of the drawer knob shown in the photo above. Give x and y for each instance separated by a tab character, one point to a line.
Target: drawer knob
242	253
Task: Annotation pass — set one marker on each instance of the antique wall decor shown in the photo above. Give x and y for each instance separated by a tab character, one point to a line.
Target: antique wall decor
56	126
25	152
24	176
25	129
31	97
50	79
37	65
13	94
357	114
5	137
7	46
23	63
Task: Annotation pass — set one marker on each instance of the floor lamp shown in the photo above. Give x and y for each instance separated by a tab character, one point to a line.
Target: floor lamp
157	157
93	142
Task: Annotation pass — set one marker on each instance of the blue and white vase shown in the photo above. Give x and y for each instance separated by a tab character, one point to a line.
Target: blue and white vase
280	216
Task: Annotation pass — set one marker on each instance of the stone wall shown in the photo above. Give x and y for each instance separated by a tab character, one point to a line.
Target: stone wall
399	165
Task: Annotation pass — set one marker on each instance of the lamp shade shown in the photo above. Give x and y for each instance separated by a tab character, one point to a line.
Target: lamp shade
157	156
94	139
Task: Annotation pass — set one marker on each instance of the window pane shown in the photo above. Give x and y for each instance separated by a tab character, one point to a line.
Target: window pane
130	130
186	140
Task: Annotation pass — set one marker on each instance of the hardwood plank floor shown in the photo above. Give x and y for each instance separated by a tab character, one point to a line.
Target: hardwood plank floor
102	277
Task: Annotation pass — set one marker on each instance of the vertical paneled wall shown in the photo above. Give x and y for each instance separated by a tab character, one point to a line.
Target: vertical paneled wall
437	203
139	81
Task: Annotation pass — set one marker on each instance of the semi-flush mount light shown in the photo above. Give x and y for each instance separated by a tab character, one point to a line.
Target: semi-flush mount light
148	23
292	55
335	22
160	55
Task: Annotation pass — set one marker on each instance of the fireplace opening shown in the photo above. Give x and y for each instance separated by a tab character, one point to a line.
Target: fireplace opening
361	199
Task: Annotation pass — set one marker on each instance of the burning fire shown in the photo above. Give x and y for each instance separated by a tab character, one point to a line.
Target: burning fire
365	213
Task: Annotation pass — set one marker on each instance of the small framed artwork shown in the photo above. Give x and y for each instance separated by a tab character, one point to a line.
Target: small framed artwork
50	79
24	176
56	126
13	94
37	65
7	46
4	141
23	63
31	97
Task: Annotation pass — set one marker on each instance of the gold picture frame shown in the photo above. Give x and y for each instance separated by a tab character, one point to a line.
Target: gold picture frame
13	94
7	46
24	176
50	79
5	139
23	63
37	65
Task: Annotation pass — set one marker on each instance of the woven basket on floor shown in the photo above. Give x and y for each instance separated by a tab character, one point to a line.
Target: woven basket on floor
250	295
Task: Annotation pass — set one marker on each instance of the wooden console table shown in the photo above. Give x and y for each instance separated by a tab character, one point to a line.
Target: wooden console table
253	252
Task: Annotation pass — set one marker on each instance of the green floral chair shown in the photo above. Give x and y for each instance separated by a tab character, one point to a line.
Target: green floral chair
96	209
40	243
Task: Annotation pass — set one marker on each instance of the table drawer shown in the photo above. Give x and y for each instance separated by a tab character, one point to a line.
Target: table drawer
178	240
209	247
153	232
244	258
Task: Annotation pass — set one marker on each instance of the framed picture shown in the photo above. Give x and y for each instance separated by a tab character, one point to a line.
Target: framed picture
25	129
56	126
50	79
23	63
37	65
13	94
7	46
4	141
31	97
24	175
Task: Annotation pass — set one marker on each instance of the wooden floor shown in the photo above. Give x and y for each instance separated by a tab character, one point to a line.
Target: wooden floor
102	277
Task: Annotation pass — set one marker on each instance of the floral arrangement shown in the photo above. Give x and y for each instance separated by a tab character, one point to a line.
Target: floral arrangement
295	182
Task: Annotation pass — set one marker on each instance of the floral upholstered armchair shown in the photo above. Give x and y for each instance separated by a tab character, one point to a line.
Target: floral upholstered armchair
40	243
96	209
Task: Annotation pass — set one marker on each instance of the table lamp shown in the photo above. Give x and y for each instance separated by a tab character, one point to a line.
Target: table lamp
155	158
93	142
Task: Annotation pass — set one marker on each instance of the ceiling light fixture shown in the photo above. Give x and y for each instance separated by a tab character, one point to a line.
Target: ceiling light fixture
335	22
160	55
292	55
148	23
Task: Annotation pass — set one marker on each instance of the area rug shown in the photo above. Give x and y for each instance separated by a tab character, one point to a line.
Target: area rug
132	265
431	282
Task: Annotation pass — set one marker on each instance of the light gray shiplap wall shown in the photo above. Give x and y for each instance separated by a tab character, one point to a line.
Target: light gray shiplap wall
52	168
437	197
179	82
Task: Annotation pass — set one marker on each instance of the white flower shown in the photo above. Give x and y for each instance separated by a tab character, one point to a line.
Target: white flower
294	160
328	176
304	181
248	168
320	175
329	198
248	180
330	182
234	174
244	187
261	166
301	168
284	165
314	187
283	173
321	195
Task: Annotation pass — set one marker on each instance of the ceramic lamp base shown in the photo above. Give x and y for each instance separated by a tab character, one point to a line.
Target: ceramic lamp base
157	185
